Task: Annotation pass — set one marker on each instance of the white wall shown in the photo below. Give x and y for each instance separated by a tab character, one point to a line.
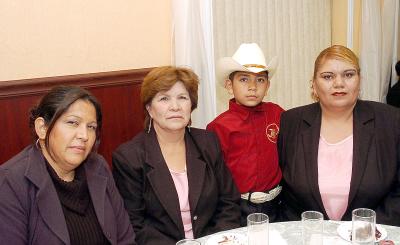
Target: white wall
53	37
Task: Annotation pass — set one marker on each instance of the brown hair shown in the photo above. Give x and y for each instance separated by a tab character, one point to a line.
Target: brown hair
337	52
162	79
58	101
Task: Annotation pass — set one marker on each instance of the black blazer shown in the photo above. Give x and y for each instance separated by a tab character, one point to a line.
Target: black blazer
375	179
145	183
393	96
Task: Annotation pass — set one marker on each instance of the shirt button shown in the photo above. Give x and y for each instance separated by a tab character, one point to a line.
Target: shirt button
195	217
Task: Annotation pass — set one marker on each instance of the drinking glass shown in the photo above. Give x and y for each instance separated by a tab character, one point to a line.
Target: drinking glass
312	227
188	242
257	229
363	226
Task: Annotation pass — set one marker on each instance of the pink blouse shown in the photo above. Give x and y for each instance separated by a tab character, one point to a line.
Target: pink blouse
334	175
182	187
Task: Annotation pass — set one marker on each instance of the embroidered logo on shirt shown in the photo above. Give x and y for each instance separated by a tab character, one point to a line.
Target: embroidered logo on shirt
272	132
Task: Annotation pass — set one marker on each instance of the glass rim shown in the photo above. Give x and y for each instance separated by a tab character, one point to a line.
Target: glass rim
188	240
265	218
318	215
370	213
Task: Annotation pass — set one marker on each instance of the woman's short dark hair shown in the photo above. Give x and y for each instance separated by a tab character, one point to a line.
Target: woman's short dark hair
162	79
56	102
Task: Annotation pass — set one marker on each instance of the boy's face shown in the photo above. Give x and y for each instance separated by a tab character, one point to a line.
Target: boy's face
248	88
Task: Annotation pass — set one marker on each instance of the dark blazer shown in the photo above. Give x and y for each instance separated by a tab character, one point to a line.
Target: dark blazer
145	183
393	96
375	179
31	213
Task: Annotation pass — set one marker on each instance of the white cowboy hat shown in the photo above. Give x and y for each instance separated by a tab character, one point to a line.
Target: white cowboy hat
249	58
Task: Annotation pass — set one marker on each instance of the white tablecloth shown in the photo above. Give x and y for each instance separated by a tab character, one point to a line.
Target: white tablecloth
289	233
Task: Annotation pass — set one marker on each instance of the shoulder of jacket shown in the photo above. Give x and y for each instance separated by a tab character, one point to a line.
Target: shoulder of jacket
205	139
300	110
379	108
18	164
137	140
199	133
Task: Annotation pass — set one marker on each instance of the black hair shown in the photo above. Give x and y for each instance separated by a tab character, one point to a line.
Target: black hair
56	102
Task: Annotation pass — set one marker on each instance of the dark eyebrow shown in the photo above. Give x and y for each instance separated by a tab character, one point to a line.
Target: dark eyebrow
76	117
72	115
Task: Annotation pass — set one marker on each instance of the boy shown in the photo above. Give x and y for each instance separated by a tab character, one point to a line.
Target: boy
248	130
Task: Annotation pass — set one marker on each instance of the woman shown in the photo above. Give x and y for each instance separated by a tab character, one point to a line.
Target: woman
58	191
172	177
340	153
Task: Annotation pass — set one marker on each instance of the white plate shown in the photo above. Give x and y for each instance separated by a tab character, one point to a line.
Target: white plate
344	231
227	238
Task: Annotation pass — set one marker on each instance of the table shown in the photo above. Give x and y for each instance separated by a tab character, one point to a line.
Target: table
289	233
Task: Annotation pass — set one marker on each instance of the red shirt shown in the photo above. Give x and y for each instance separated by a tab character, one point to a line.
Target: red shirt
248	137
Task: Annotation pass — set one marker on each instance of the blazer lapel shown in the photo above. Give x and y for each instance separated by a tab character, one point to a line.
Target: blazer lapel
310	139
47	199
97	185
161	181
195	170
362	135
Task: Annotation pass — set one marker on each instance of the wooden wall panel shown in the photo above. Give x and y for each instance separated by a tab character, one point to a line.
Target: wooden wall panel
118	93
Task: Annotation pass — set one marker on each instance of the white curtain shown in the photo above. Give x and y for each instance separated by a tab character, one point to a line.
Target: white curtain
294	30
192	42
396	49
379	39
